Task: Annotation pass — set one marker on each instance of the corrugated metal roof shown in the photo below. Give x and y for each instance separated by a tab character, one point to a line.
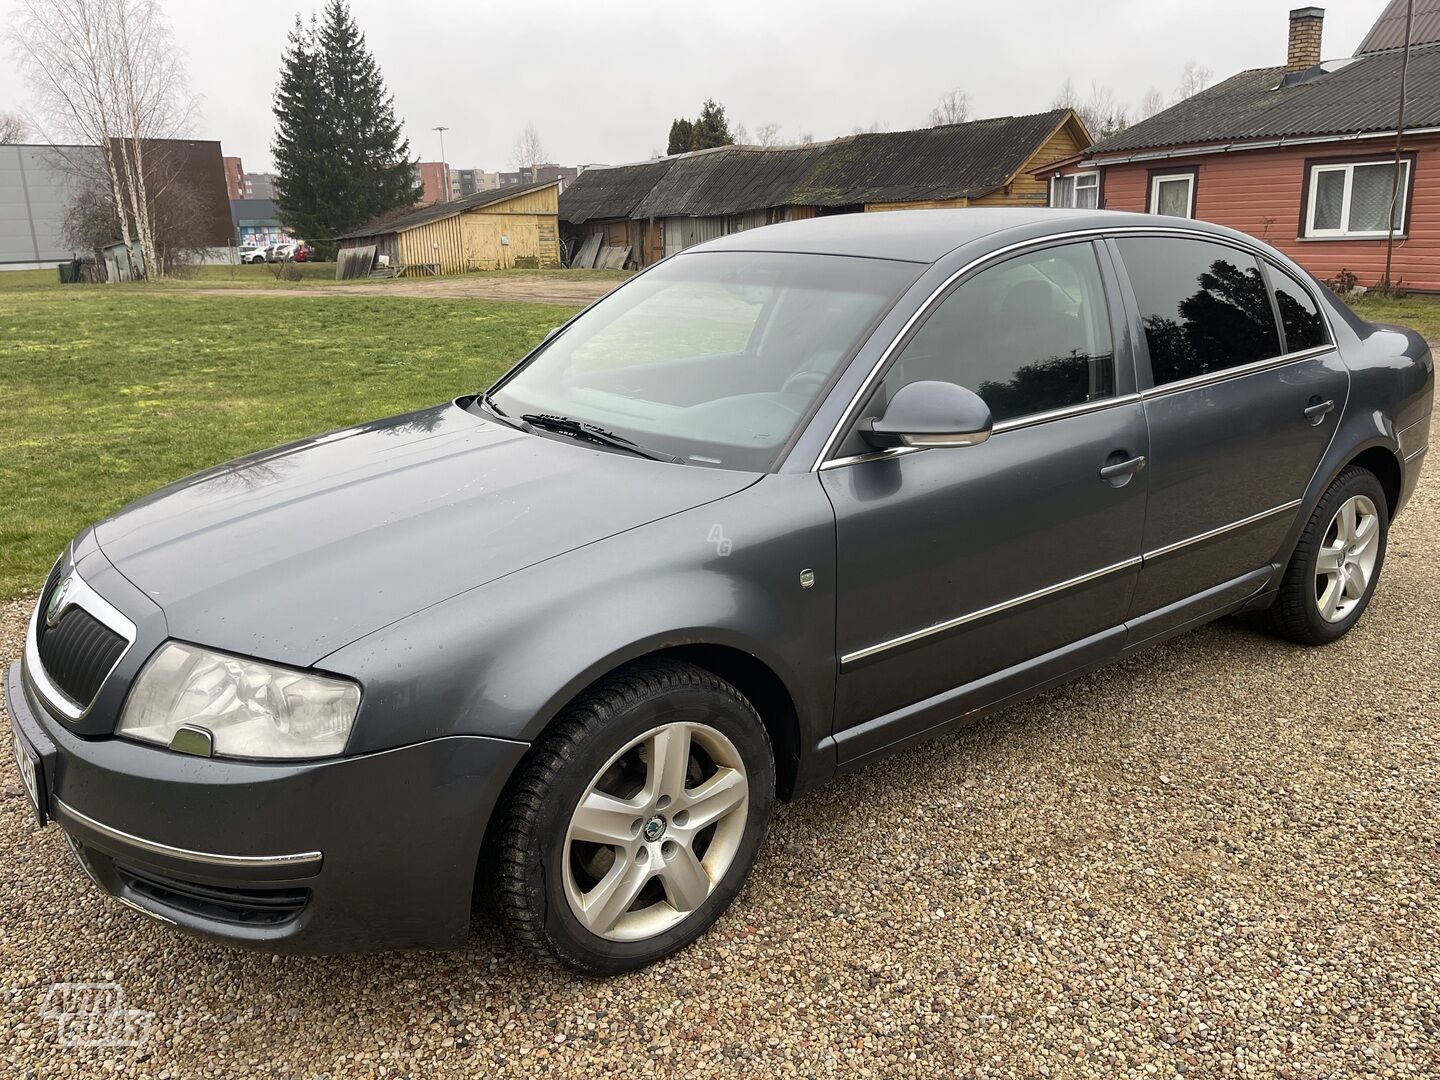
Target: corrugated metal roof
730	180
951	162
1389	30
439	210
958	161
610	191
1361	96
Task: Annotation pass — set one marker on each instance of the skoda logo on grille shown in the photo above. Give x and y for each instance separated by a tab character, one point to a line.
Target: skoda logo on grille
56	603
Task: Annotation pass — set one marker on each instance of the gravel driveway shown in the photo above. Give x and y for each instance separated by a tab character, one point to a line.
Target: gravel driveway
1221	856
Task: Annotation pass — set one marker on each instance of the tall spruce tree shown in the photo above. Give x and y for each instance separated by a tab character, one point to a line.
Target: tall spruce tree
681	132
711	129
339	151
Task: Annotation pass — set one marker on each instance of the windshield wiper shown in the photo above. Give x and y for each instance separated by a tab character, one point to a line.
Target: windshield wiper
568	425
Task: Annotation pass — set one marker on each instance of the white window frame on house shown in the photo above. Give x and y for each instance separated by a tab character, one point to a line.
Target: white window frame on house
1173	178
1402	206
1089	180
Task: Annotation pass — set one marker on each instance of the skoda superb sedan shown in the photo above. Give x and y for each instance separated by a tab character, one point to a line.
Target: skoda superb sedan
785	503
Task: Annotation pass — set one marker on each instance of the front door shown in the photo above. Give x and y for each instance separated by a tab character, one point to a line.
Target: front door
966	574
1241	407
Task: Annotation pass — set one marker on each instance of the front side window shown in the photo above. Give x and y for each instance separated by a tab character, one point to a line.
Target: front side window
1204	306
1173	195
1304	326
1356	199
1028	335
1078	191
714	358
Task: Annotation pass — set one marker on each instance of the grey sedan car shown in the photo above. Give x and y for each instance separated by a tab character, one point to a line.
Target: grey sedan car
783	504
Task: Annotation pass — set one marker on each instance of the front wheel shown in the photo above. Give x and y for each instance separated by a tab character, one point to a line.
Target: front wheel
1337	562
637	819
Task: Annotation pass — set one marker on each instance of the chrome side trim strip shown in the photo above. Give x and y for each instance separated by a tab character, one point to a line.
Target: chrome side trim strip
993	609
1019	423
1226	374
303	862
1212	533
81	595
1092	233
1417	455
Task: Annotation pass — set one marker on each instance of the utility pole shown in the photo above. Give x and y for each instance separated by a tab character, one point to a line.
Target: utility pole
444	166
1399	142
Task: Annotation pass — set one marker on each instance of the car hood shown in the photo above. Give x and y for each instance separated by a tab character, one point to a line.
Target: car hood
291	553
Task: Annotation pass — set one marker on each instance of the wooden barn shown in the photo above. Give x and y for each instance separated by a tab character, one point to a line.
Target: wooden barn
657	208
491	230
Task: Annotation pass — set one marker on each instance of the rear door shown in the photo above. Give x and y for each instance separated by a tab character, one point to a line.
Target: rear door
1243	390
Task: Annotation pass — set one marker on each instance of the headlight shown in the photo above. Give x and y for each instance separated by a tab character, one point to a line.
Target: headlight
250	709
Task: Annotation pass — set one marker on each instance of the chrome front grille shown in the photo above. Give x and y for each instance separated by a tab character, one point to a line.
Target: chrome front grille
76	640
78	652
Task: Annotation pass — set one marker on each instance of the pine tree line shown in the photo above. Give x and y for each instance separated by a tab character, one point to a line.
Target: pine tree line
340	156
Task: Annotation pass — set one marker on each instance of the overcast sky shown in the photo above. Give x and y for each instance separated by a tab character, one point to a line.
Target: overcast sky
601	81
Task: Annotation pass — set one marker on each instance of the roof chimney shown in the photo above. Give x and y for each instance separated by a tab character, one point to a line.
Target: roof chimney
1305	26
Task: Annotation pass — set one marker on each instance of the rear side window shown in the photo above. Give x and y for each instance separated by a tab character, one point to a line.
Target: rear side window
1304	326
1028	335
1204	306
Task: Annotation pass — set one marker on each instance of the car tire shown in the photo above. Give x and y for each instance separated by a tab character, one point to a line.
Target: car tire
676	865
1337	562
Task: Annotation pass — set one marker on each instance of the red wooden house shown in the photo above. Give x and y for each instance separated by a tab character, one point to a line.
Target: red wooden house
1303	156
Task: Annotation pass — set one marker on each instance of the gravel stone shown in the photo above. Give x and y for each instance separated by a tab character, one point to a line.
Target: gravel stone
1216	858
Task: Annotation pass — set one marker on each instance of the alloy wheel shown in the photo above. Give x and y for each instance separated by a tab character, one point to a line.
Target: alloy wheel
1346	563
655	831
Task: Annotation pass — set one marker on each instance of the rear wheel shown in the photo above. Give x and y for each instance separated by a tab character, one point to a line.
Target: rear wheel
1337	562
637	819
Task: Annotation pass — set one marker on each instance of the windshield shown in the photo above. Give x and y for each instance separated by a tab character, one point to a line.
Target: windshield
713	358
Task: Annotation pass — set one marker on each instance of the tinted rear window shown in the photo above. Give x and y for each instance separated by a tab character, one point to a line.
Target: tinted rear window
1204	306
1304	326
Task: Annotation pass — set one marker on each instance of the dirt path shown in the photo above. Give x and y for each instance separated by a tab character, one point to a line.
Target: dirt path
476	287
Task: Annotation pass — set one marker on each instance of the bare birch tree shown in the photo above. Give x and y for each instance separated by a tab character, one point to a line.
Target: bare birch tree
767	135
106	73
1152	103
14	128
528	149
952	108
1193	79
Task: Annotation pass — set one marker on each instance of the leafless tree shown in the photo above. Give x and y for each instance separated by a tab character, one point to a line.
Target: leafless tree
1101	113
767	135
952	108
805	139
107	73
528	149
14	128
1193	79
1152	103
870	128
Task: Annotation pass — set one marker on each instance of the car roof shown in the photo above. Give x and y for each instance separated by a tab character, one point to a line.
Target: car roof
926	236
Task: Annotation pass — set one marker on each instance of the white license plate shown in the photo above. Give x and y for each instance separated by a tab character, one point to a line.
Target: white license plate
28	764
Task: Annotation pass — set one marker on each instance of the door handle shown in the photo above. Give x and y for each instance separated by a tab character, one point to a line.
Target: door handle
1123	468
1316	411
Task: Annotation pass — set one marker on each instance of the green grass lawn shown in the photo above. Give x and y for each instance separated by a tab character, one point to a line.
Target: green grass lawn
1420	313
106	394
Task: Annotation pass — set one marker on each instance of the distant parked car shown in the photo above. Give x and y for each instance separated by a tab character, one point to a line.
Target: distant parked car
302	253
283	251
788	502
252	253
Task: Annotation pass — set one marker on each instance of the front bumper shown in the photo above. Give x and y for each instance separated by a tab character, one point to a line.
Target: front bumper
371	852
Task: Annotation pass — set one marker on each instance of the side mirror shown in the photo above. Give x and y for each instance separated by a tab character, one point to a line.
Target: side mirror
930	414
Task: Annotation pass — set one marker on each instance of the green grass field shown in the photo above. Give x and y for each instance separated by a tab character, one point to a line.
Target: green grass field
265	276
106	393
